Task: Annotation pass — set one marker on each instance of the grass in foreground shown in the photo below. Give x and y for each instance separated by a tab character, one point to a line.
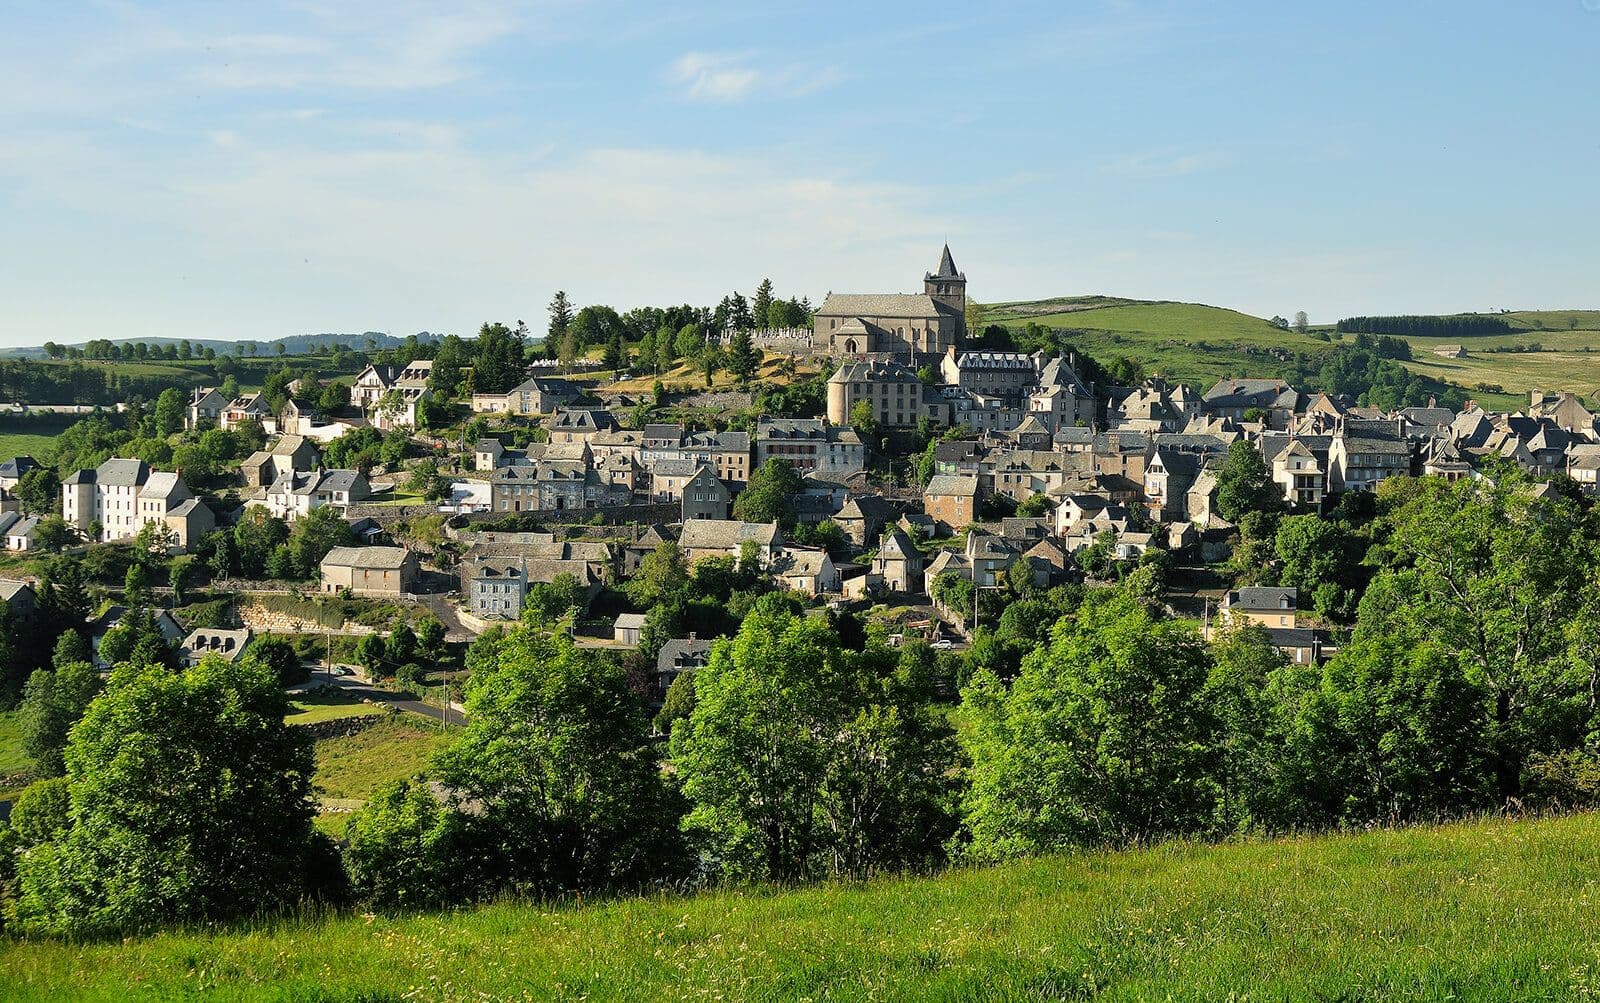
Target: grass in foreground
1491	910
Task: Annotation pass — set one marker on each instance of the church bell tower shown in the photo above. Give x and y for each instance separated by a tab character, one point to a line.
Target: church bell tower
948	286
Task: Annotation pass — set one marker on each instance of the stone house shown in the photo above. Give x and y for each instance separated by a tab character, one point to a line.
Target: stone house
370	571
951	500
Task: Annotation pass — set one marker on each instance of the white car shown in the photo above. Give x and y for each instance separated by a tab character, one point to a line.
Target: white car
943	645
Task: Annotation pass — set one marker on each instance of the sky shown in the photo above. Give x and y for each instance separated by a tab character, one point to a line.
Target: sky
257	170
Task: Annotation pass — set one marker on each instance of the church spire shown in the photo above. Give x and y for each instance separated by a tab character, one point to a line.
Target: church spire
947	265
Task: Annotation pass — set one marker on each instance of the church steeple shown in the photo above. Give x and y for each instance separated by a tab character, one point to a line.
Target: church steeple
948	287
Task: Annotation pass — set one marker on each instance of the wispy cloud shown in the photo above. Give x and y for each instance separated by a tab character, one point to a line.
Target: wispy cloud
730	77
711	77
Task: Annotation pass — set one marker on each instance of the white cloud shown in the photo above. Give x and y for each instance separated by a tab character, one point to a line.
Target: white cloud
727	78
709	77
261	240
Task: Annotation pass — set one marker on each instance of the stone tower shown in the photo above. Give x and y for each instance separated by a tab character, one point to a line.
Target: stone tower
948	286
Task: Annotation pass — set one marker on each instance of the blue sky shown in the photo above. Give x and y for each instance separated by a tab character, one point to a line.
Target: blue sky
256	170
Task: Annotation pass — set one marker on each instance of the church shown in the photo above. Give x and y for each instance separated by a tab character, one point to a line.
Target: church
899	326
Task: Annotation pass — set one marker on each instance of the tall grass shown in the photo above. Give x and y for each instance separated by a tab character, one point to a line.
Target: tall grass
1483	910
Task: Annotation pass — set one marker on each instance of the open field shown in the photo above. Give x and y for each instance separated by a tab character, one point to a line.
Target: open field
1199	343
23	444
393	749
325	705
1184	341
16	766
1488	910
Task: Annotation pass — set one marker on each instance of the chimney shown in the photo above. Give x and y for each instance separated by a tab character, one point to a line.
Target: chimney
691	635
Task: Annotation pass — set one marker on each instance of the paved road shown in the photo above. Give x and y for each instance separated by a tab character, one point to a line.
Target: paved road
363	690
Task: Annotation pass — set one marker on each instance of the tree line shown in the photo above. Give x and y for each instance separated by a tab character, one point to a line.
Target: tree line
1457	326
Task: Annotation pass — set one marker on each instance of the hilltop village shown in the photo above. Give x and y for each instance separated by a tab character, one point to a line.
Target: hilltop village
664	534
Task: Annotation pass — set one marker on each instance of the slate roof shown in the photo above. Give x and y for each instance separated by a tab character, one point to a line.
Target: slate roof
1258	597
372	558
119	472
910	306
682	653
947	266
17	466
725	534
951	484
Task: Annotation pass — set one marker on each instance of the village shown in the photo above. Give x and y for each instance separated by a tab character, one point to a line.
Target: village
933	484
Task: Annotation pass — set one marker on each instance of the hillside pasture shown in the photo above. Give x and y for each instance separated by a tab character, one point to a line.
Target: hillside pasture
1484	910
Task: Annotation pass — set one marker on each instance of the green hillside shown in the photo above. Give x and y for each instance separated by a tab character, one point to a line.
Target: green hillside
1186	341
1199	343
1489	910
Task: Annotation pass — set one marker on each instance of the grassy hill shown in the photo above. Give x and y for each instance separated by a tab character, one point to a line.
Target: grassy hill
1199	343
1489	910
1185	341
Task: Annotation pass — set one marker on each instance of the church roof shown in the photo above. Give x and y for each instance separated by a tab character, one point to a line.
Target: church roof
947	266
874	305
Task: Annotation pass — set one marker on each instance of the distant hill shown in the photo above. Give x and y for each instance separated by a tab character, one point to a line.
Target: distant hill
293	344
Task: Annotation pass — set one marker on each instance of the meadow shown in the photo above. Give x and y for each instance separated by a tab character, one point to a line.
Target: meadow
1200	344
1490	909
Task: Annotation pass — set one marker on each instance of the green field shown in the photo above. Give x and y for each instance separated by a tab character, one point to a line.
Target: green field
16	766
1490	910
310	708
1182	341
1200	344
23	444
350	769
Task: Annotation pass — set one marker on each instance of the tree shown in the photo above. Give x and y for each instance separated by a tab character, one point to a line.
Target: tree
1105	737
335	397
39	491
761	303
54	533
52	703
678	703
560	318
279	656
557	599
863	421
1499	581
801	758
191	802
689	341
769	495
314	535
1036	506
497	363
426	481
557	761
1301	322
663	572
403	850
1244	484
743	356
171	408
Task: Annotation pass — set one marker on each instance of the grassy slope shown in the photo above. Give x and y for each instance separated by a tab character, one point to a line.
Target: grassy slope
1187	341
350	769
310	708
16	766
1491	910
1200	343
